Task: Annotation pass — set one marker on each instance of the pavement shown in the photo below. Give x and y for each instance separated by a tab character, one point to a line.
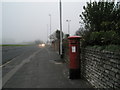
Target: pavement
42	68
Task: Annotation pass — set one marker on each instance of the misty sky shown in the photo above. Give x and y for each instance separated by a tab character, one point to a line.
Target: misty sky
27	21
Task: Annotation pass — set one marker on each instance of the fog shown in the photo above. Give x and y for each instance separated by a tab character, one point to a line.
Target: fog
27	21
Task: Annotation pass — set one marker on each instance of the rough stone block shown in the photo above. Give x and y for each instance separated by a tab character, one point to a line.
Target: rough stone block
117	76
112	73
114	70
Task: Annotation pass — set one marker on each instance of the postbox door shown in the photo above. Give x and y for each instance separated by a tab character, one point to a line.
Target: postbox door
74	56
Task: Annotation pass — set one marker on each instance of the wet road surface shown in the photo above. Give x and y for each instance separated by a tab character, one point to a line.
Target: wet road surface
39	69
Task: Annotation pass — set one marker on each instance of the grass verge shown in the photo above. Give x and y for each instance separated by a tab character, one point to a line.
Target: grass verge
13	45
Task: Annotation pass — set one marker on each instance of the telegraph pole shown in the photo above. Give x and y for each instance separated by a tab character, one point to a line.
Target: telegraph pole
60	29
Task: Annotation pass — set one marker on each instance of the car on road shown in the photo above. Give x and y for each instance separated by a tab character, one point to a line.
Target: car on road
41	45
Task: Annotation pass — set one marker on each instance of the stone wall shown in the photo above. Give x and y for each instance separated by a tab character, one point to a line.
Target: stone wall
101	68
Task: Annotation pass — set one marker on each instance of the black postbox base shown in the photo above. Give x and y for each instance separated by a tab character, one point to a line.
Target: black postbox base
74	74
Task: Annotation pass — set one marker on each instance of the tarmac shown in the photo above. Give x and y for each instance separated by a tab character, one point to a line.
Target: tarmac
42	69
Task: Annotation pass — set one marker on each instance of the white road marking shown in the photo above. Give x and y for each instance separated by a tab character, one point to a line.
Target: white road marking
6	63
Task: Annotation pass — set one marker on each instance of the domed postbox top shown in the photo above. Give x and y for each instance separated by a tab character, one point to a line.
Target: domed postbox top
74	37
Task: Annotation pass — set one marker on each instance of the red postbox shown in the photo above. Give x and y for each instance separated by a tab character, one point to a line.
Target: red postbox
74	57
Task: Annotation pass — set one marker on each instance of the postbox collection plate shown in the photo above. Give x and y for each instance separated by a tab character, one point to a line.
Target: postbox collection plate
73	49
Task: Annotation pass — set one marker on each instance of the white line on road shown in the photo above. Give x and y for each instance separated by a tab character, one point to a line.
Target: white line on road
6	63
13	71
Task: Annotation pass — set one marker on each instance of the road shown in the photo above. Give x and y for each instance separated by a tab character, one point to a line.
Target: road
39	68
10	52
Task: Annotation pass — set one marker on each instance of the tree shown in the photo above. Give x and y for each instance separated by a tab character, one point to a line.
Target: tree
38	42
101	16
56	35
102	23
80	32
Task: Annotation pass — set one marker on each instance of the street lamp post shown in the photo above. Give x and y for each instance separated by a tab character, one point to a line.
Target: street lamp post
68	26
47	33
50	26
